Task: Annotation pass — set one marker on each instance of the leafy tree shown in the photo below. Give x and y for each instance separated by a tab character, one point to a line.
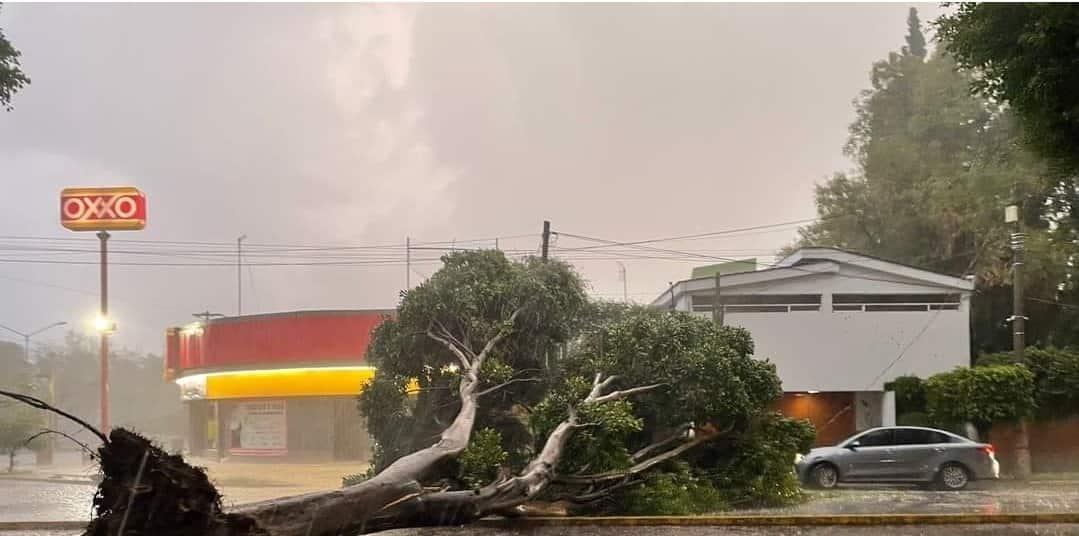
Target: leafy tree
472	298
18	424
713	413
981	395
935	167
1025	55
12	79
699	396
17	421
915	37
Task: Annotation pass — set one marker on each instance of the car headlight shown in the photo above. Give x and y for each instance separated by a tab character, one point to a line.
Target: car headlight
799	458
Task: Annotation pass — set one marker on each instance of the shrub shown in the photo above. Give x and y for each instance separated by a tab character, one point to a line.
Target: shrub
1056	378
909	394
980	395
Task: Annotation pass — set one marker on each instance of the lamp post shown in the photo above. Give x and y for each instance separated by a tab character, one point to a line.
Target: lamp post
48	453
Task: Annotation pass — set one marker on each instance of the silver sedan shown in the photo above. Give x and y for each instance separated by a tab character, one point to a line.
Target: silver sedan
900	454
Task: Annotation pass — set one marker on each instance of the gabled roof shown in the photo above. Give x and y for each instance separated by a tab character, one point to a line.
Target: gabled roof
815	261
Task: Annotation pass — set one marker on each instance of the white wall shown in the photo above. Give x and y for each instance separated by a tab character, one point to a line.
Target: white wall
854	351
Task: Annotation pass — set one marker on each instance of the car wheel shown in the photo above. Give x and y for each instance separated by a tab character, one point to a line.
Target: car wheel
953	477
824	476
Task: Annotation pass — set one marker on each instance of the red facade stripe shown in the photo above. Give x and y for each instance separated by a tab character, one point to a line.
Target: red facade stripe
274	341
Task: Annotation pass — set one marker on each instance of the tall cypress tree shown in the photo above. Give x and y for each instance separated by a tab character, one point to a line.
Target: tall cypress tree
915	37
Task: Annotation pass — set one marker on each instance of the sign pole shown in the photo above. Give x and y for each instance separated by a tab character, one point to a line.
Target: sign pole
104	237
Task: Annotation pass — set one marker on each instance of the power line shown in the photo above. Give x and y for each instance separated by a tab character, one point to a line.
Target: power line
703	235
772	265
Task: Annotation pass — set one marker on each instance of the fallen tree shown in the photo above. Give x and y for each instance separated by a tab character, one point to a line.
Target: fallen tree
498	344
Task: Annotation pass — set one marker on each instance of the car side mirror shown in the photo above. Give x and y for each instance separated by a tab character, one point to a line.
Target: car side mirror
854	445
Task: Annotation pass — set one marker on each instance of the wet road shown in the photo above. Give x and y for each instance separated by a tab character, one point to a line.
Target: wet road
994	498
42	501
45	501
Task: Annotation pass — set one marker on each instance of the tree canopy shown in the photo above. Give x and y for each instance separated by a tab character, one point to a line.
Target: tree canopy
935	166
12	78
1025	55
699	400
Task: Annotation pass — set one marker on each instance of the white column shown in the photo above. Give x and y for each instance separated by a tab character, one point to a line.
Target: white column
887	409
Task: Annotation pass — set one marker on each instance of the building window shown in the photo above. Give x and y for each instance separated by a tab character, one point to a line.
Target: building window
759	303
878	303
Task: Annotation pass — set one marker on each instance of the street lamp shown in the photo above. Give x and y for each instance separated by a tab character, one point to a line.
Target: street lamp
26	336
52	385
104	325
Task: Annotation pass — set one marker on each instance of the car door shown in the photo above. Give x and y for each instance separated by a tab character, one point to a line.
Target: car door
915	449
870	456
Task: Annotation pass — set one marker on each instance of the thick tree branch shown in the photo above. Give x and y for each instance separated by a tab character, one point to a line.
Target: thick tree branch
618	395
503	495
371	504
641	466
457	351
678	434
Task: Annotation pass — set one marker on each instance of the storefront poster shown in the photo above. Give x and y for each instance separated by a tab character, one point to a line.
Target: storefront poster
259	429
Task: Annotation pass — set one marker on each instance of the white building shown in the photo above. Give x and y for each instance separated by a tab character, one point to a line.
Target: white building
838	326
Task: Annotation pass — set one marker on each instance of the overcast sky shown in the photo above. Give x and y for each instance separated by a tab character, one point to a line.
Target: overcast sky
361	125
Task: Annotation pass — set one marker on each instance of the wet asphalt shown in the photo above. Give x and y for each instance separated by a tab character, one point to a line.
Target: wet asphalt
44	501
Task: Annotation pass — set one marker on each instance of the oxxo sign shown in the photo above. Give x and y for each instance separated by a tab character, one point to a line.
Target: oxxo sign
98	209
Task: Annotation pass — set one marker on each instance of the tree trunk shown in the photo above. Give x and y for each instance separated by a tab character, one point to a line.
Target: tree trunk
395	497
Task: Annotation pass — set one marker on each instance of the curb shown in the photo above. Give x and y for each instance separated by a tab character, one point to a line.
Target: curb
703	521
788	520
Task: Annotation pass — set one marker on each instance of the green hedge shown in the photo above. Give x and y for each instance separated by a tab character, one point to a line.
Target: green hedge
1056	378
980	395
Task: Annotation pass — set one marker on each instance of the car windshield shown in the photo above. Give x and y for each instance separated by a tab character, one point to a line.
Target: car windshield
334	268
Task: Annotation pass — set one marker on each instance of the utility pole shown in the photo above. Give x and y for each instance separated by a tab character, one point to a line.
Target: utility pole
104	330
1012	215
717	303
625	285
408	263
546	239
239	276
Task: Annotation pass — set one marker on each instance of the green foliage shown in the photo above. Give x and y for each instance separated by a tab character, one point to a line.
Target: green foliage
705	377
473	297
980	395
915	37
1056	378
1026	56
602	443
18	422
707	372
481	461
677	492
12	79
909	394
759	467
935	167
708	378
